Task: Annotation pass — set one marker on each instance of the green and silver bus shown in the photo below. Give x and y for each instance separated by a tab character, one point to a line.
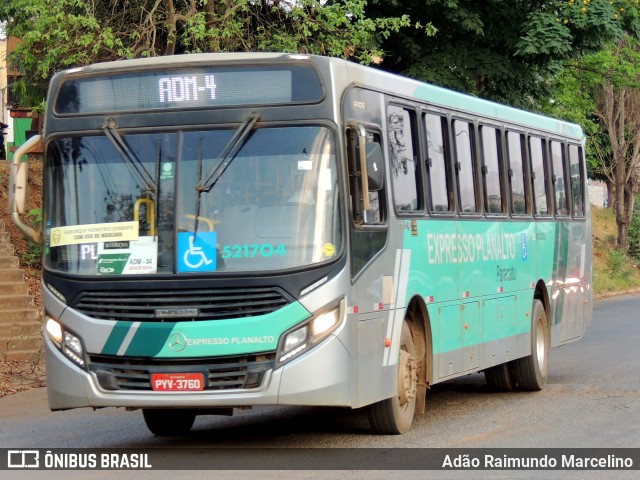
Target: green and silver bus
223	231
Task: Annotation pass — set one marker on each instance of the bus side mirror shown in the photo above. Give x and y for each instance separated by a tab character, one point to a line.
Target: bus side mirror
375	166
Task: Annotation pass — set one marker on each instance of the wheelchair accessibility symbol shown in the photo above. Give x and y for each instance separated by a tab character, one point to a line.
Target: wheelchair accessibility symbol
197	253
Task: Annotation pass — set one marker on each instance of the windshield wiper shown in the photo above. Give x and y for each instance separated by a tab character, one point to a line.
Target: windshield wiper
110	131
228	154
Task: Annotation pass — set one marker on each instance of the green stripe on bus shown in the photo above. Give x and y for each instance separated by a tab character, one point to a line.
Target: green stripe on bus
116	338
149	339
501	113
215	337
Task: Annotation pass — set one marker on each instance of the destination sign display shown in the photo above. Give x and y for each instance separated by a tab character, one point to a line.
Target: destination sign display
189	88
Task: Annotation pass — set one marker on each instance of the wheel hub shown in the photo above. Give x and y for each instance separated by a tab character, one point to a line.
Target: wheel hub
407	377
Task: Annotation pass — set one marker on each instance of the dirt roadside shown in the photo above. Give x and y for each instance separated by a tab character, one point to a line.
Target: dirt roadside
19	376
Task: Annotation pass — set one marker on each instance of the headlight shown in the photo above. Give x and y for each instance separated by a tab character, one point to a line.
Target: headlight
295	339
325	322
54	329
69	344
304	336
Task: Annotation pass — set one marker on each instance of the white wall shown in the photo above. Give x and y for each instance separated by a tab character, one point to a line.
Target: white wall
597	193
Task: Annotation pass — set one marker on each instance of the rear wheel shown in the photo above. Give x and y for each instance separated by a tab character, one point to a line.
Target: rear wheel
531	372
168	422
395	415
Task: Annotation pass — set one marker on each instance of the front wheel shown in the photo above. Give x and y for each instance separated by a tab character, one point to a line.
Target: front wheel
394	415
531	372
168	422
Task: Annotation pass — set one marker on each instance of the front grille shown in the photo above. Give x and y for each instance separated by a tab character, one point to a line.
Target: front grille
225	373
181	305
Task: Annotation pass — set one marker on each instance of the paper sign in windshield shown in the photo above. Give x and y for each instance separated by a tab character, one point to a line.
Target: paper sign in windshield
135	257
93	233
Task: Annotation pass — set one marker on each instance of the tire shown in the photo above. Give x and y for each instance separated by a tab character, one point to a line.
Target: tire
501	377
168	422
531	372
394	415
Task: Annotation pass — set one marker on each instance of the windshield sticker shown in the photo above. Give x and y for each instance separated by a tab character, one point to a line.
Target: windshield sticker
329	250
128	258
95	232
167	171
253	250
197	252
89	251
305	165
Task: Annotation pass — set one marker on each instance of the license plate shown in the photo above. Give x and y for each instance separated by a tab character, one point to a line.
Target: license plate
177	382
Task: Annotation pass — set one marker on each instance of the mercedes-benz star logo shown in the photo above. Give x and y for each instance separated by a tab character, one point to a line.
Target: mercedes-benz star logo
177	342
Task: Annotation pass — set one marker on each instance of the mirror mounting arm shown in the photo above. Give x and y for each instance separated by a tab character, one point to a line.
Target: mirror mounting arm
364	177
18	187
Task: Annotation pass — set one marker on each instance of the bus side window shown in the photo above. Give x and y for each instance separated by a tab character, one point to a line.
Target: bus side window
405	174
519	197
375	214
368	230
491	169
577	180
437	153
463	135
559	178
538	174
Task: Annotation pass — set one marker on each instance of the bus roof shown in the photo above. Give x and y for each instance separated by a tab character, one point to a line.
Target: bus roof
366	77
460	102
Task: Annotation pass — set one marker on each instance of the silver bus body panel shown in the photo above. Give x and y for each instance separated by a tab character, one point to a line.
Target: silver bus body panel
321	371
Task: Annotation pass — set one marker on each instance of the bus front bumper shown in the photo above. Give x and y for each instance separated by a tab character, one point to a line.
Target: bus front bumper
320	377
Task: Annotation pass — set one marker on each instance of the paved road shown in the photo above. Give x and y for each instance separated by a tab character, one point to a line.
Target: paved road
592	400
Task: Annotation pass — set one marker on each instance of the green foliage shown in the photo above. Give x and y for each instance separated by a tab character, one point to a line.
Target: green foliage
617	63
544	36
634	231
617	275
611	77
616	261
578	97
33	256
571	100
506	50
59	34
613	271
571	28
35	218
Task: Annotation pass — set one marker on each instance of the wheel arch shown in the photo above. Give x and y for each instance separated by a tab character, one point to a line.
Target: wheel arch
420	325
541	293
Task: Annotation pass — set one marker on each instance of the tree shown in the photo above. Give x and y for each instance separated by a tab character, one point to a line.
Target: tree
601	91
505	50
59	34
614	78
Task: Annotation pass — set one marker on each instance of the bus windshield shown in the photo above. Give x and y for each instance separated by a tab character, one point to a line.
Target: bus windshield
174	202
